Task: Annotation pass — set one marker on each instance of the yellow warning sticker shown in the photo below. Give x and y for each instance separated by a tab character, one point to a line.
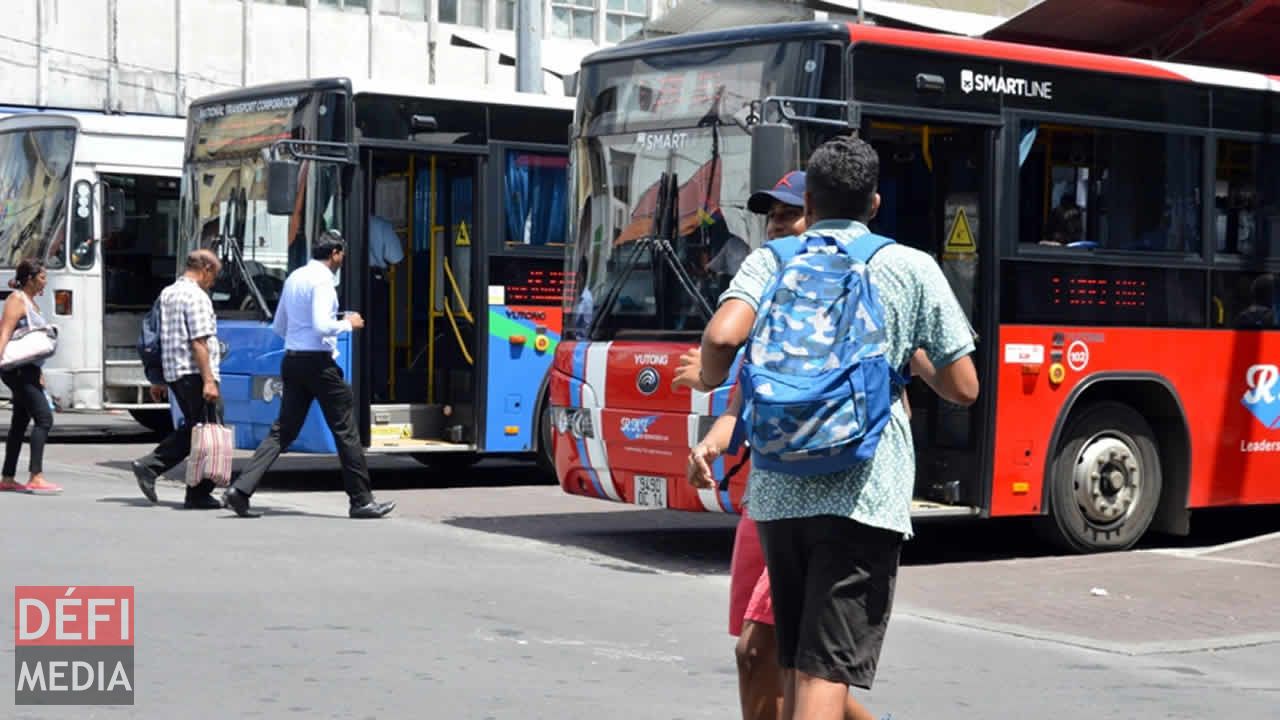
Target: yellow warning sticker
960	239
464	236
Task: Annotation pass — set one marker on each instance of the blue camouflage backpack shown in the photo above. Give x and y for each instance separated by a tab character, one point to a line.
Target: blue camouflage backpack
816	386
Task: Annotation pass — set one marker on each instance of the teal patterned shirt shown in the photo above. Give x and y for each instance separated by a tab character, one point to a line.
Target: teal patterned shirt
921	311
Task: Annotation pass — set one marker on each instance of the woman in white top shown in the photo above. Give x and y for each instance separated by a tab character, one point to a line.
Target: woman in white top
26	383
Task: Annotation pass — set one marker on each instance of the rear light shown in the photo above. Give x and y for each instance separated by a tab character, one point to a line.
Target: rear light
62	302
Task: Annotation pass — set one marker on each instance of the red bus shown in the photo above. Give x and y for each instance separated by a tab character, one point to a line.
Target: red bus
1109	224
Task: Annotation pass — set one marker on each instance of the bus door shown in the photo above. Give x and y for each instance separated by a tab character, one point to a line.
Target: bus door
936	185
138	260
524	283
423	237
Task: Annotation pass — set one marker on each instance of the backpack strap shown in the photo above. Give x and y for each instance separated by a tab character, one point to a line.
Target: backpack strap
786	248
865	246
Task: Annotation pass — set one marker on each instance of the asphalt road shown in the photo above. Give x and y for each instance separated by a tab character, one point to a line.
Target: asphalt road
489	595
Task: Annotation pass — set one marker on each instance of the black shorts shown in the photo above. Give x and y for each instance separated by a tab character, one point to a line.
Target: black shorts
832	582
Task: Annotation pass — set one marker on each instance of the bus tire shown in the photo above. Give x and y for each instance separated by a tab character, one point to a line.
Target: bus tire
1105	480
545	454
159	421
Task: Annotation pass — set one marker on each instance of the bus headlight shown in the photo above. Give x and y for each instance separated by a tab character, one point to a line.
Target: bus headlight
582	424
560	420
573	420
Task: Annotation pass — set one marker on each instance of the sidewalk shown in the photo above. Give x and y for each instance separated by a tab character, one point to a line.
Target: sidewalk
1134	603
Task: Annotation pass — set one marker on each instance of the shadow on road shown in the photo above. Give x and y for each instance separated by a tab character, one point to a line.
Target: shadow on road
299	473
95	435
702	544
270	511
694	543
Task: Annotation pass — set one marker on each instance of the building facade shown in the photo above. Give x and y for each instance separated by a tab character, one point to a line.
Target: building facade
155	56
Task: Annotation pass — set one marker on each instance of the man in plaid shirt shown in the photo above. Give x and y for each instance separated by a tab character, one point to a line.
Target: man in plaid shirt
190	354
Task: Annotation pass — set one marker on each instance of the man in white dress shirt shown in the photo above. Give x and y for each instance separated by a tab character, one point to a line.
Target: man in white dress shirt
306	318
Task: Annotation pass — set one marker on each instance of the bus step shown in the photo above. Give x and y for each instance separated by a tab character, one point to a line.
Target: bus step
417	421
412	445
928	509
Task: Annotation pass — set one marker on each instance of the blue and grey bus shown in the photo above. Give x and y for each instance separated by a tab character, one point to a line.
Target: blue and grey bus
452	204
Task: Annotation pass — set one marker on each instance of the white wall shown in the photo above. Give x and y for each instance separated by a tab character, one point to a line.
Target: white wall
147	81
18	56
168	52
279	49
401	50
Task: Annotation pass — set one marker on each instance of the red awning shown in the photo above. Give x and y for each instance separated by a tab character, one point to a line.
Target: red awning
1236	34
694	197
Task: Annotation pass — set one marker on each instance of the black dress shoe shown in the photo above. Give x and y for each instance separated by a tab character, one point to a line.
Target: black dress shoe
239	502
146	480
202	502
373	509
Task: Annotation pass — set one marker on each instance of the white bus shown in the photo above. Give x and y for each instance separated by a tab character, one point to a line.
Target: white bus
96	197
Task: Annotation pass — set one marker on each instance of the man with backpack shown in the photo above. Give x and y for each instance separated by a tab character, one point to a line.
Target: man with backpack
183	339
830	320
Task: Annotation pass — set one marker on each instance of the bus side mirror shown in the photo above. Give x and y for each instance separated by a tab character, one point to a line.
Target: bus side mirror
773	153
115	210
282	186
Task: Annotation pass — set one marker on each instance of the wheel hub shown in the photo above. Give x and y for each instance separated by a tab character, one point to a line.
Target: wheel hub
1108	479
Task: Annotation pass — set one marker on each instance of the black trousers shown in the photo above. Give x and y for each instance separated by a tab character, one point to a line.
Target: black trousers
29	404
188	391
313	376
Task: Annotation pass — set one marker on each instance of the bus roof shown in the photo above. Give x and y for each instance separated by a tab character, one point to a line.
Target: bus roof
467	94
713	38
399	89
145	144
949	44
1055	57
146	126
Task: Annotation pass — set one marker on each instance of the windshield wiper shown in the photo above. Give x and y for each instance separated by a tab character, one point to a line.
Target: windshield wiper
666	221
231	243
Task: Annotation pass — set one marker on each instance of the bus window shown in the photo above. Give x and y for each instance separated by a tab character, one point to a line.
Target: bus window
1111	189
1245	214
534	207
35	178
1245	301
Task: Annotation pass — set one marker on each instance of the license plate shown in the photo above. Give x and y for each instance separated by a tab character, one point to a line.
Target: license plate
651	491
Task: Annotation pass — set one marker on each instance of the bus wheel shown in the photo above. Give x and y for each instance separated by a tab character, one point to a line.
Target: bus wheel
1105	481
154	420
546	457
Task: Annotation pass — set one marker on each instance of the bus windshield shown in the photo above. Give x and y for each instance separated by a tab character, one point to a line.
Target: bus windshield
684	116
225	193
35	175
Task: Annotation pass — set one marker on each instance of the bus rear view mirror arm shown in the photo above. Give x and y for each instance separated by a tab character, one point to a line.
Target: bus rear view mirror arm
283	174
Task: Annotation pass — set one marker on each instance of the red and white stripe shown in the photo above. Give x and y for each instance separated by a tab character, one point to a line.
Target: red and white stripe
699	407
593	400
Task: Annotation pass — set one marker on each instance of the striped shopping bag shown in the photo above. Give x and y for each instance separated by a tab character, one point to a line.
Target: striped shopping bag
212	444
